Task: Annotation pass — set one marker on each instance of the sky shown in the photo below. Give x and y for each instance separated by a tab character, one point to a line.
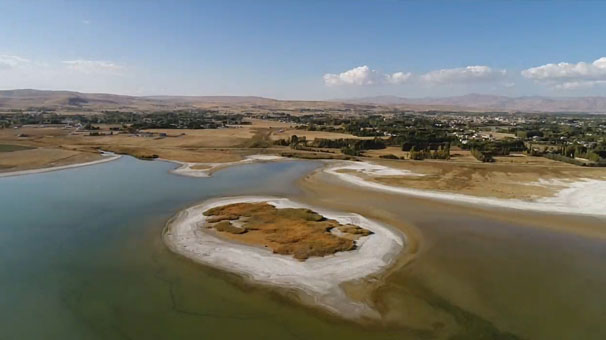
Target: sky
305	49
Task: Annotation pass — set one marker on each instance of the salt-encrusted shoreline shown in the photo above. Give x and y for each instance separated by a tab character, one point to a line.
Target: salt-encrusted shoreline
186	168
319	279
583	197
108	157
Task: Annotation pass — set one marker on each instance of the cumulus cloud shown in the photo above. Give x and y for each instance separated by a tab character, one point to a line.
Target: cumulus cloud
93	66
361	75
398	77
12	61
463	74
569	75
364	75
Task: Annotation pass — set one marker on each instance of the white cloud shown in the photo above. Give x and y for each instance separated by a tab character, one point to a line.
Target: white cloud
80	75
566	71
463	74
93	66
398	77
12	61
361	75
569	76
364	75
86	21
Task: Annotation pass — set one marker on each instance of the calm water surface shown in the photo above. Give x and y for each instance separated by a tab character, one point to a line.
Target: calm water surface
81	257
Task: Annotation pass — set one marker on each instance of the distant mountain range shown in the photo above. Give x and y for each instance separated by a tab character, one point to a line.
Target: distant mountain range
476	102
77	101
28	98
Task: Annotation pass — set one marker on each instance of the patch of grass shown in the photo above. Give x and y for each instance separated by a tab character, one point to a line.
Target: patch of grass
13	147
302	214
226	226
261	139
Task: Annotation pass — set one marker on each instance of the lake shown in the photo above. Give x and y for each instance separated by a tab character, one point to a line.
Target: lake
81	257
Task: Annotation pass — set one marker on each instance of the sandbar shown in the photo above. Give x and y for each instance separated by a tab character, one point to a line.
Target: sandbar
193	169
583	196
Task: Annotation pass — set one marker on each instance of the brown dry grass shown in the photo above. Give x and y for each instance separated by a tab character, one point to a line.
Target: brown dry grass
186	145
298	232
217	146
43	158
310	135
514	177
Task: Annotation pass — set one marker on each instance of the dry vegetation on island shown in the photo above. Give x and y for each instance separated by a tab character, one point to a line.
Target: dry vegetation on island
301	233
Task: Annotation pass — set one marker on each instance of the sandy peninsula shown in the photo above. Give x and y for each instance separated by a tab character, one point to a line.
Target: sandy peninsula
575	195
106	157
201	169
317	280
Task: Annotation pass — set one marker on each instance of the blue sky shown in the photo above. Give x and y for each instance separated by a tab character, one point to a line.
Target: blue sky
305	49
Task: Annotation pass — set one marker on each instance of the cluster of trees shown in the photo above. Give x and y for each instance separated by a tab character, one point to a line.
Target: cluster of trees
482	156
496	148
351	151
348	146
577	154
358	144
597	154
185	120
575	161
526	134
555	129
180	119
20	118
442	153
422	139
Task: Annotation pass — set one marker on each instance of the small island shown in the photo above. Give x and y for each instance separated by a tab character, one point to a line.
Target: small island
282	243
299	232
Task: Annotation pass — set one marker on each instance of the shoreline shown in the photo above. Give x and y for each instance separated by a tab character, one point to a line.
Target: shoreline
582	197
186	168
318	280
108	157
